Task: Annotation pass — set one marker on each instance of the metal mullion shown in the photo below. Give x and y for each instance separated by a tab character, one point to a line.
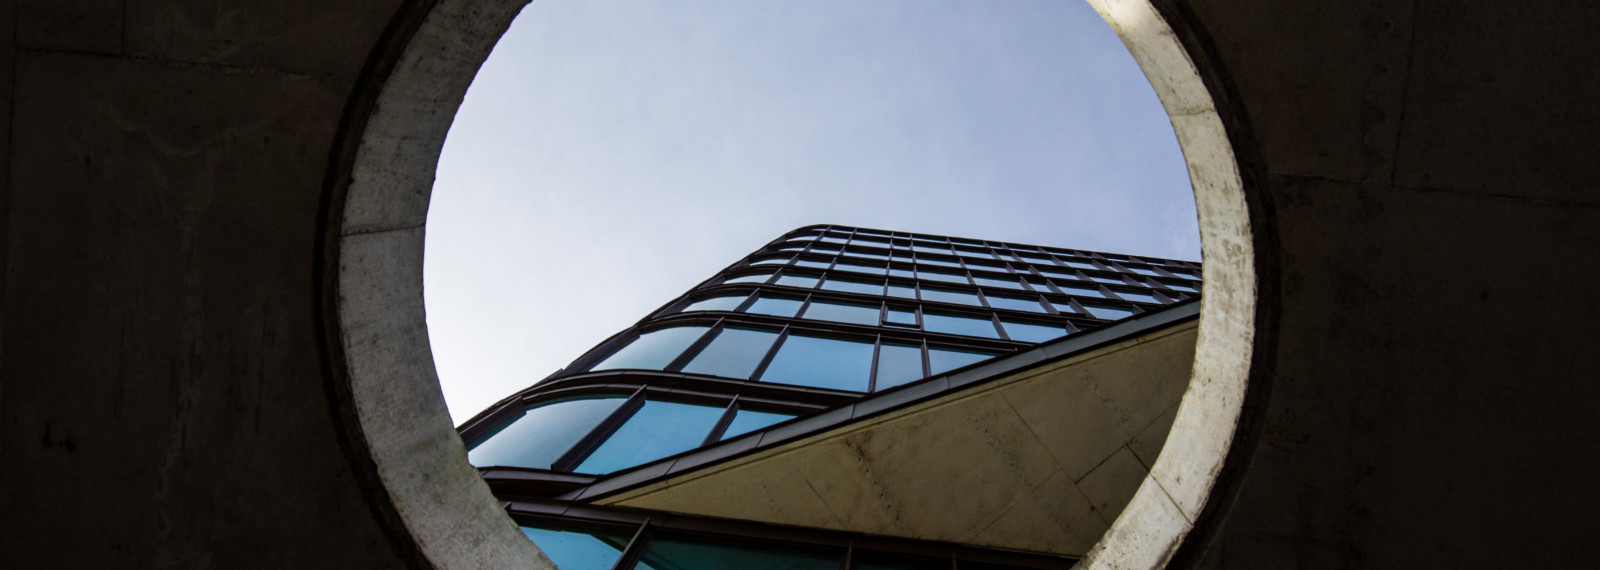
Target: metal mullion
872	374
748	300
849	561
592	440
682	360
630	555
994	319
927	363
761	368
722	422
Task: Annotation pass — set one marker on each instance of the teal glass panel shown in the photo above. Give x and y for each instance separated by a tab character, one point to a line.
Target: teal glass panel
1065	308
1025	332
717	304
946	296
812	263
801	281
1081	290
944	360
852	286
1140	297
990	282
821	363
775	306
675	554
898	364
859	268
938	262
951	324
902	318
902	292
757	278
906	273
653	350
940	276
843	313
1015	304
746	421
578	550
1108	313
733	354
541	434
655	431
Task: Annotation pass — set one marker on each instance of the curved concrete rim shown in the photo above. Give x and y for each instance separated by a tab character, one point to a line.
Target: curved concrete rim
445	507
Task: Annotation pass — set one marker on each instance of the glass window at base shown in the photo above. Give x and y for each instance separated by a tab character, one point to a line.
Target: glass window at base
677	554
539	435
821	363
578	550
657	430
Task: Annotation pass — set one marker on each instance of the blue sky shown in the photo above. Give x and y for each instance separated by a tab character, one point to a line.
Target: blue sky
611	154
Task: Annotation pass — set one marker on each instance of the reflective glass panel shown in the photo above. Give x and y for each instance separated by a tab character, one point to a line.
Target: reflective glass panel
1026	332
770	260
578	550
1108	313
1083	290
655	431
1143	271
1111	280
733	354
1081	264
952	324
858	268
990	282
903	318
1182	287
945	277
945	296
746	421
926	249
898	364
938	262
541	434
1057	272
869	255
801	281
906	273
1015	304
775	306
811	263
844	313
653	350
902	292
1065	308
853	286
716	304
674	554
943	360
1038	260
1140	297
757	278
822	363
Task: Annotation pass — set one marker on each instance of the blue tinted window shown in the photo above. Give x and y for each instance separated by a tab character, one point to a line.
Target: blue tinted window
673	554
903	292
941	276
539	435
903	318
943	360
1108	313
1081	265
1182	287
822	363
813	263
757	278
1065	307
1057	272
952	324
1037	259
770	260
578	550
927	249
1032	333
945	296
1111	280
653	350
746	421
1015	304
1143	271
774	306
853	286
801	281
938	262
1083	290
1141	297
898	364
733	354
877	256
990	282
906	273
716	304
657	430
844	313
858	268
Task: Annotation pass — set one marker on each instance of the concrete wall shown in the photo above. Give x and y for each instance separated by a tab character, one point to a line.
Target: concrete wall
1421	185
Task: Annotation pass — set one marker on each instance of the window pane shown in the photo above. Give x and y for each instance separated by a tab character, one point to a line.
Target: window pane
1015	304
906	273
733	354
1111	280
716	304
904	318
1081	265
657	430
1032	333
1108	313
950	297
898	364
674	554
746	421
1065	308
1007	283
938	262
859	268
653	350
1083	290
942	360
1143	271
940	276
840	312
774	306
1182	287
853	286
539	436
1140	297
801	281
902	292
822	363
757	278
578	550
813	263
952	324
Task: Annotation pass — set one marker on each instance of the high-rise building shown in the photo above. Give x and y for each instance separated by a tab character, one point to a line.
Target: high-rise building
855	398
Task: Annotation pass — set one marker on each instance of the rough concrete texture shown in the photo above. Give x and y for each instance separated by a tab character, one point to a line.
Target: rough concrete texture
1421	197
1038	461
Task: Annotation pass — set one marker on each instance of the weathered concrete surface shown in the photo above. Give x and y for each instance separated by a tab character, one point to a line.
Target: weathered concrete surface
1039	461
1423	207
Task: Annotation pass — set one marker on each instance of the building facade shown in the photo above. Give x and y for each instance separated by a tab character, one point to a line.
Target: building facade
825	318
